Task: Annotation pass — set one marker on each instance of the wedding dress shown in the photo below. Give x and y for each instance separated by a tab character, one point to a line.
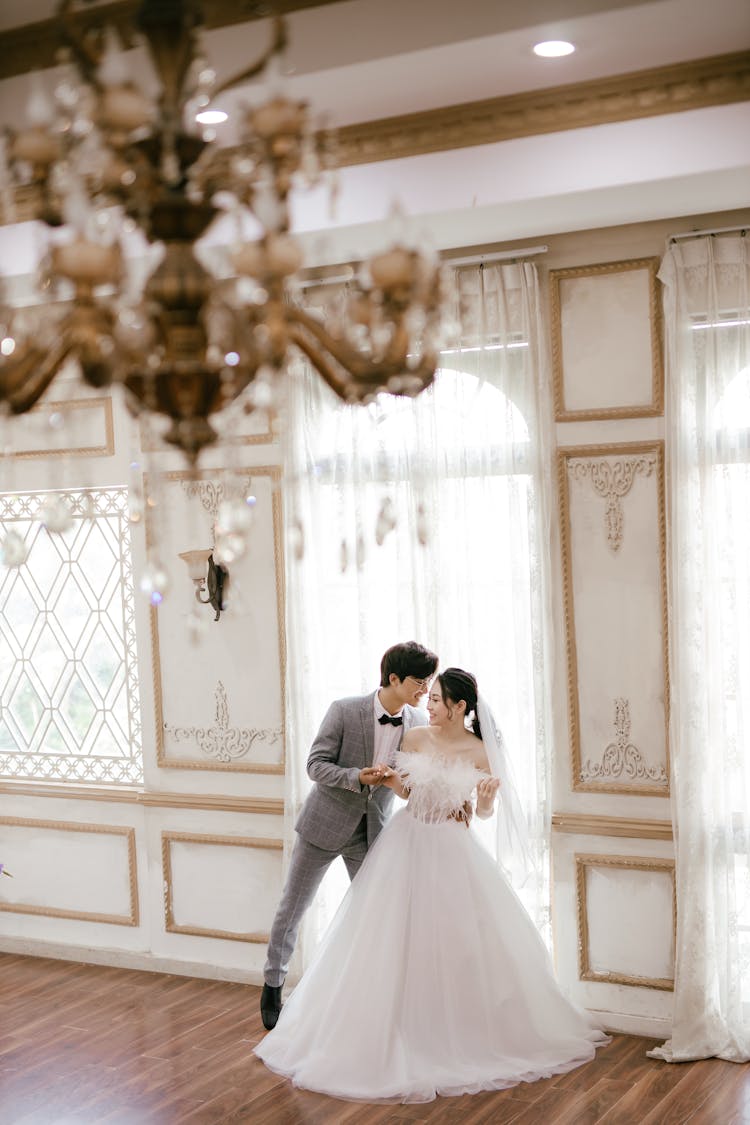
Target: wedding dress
432	978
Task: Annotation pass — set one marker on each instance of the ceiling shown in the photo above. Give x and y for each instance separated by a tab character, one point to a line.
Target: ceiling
363	60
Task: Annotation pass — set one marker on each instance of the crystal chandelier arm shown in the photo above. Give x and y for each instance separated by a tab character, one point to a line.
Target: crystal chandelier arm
277	46
361	367
327	369
86	57
344	368
341	351
24	381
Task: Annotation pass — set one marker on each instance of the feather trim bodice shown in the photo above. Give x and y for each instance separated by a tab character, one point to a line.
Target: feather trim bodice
438	787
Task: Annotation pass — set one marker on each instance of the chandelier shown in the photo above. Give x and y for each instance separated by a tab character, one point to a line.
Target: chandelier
103	160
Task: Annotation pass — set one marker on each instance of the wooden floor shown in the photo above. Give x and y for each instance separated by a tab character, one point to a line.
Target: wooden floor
88	1043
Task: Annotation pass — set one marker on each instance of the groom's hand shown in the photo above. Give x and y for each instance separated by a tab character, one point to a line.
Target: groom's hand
371	775
389	778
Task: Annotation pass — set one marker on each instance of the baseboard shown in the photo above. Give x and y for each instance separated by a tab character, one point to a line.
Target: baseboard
127	959
652	1027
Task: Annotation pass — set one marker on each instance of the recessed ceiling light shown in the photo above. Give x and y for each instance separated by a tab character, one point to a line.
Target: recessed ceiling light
211	116
553	48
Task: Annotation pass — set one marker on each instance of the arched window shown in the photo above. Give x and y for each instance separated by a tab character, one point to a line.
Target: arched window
425	519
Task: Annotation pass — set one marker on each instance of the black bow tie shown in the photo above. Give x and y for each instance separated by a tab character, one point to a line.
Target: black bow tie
394	720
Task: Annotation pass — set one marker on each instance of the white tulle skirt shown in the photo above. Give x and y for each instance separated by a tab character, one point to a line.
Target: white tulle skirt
432	979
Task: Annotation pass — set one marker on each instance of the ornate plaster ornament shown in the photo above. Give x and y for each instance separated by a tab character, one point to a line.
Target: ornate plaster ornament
612	480
621	758
222	741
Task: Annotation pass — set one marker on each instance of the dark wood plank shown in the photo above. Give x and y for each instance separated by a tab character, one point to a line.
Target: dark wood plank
730	1104
701	1089
644	1094
594	1102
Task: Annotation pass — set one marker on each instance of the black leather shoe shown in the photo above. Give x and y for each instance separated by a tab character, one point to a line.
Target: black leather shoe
270	1005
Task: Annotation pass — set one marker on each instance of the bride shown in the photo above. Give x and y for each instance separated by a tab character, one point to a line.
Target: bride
432	979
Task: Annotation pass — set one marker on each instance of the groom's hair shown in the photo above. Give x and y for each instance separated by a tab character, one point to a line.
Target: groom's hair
407	659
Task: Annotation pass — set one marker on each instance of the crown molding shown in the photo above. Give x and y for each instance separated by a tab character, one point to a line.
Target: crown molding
697	84
719	80
35	46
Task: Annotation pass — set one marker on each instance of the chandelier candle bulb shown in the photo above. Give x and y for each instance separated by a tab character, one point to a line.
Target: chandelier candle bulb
249	259
284	254
88	262
37	146
394	268
277	118
124	109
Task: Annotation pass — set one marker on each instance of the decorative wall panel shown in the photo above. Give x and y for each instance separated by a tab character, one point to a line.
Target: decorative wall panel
67	870
220	886
215	709
606	341
626	920
75	428
613	534
248	429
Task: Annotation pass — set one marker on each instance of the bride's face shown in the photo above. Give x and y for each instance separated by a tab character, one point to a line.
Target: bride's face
436	707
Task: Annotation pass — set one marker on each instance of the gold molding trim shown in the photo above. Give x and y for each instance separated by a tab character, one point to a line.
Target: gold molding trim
105	450
632	863
653	409
583	824
151	442
130	919
274	473
695	84
564	454
167	838
273	806
718	80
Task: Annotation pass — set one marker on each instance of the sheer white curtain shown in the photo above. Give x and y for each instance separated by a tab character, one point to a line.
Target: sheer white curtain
460	472
707	313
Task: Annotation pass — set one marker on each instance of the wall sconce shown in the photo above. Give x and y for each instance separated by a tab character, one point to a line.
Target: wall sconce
207	575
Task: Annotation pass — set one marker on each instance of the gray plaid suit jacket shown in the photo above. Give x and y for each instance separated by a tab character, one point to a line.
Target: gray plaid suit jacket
342	747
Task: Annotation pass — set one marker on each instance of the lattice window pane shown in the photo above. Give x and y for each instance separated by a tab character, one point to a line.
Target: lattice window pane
69	705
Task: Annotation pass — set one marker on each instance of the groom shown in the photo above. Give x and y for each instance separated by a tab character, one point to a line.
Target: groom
346	807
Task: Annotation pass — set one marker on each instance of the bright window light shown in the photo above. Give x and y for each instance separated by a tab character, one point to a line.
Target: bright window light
553	48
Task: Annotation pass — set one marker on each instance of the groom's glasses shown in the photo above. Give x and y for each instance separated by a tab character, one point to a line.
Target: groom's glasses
421	684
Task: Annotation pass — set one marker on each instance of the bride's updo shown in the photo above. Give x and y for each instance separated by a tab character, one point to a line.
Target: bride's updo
457	685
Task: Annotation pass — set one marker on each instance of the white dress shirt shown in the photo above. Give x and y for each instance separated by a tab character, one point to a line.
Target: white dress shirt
387	736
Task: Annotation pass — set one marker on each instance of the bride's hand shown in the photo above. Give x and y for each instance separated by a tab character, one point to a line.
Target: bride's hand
389	778
486	792
487	788
393	780
371	775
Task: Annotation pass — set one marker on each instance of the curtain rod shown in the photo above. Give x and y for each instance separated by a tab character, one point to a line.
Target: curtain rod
703	233
471	260
500	256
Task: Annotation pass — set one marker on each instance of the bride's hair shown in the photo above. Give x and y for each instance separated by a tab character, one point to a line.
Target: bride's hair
457	685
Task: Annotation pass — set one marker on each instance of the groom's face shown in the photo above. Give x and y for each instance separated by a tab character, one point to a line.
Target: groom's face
410	690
